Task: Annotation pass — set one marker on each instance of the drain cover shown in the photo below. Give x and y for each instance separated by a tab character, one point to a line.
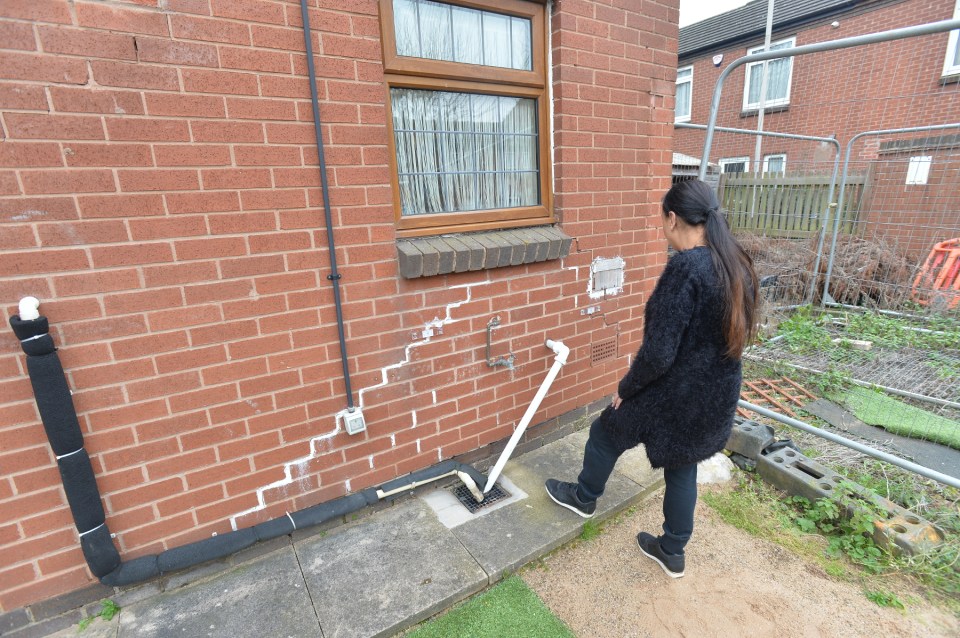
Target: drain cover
466	498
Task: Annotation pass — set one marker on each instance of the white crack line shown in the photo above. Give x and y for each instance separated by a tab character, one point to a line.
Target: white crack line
300	465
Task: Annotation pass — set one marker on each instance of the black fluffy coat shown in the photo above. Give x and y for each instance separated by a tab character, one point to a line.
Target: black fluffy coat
681	392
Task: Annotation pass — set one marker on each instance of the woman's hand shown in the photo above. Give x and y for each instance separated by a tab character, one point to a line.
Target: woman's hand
616	401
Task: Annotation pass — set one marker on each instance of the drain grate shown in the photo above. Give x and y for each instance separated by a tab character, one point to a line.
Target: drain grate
466	498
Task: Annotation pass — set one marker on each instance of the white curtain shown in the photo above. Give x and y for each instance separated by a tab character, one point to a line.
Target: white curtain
464	151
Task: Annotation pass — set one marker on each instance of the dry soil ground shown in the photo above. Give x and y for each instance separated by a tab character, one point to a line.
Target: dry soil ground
735	586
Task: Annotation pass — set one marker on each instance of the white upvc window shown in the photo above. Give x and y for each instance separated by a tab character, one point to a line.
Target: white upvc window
779	75
775	163
951	64
684	102
735	164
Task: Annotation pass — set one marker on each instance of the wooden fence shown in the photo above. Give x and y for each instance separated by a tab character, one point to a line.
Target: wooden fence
781	206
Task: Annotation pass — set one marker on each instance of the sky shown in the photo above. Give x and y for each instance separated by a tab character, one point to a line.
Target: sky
696	10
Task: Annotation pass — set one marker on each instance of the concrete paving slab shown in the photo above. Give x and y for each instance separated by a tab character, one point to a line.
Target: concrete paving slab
452	512
512	536
393	571
633	464
267	597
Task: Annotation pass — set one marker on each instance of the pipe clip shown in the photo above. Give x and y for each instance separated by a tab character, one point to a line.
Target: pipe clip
506	362
335	276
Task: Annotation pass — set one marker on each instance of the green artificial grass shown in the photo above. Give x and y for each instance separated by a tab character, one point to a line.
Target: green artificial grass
507	609
881	410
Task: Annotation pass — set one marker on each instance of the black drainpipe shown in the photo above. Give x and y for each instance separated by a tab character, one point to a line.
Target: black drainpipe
334	276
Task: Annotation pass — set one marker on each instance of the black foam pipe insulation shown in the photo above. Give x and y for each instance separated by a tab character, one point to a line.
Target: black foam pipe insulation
63	431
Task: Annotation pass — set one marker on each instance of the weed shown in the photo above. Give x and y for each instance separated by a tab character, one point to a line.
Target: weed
885	599
591	529
108	609
803	332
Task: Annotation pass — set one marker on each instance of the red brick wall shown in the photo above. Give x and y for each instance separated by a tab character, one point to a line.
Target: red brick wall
159	192
840	93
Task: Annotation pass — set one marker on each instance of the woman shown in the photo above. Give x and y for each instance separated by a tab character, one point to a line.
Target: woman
681	391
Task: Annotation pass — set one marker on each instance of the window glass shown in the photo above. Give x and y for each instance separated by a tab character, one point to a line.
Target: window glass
778	81
464	151
439	31
684	94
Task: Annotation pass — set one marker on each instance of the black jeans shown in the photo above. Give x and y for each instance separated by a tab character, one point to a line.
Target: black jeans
679	500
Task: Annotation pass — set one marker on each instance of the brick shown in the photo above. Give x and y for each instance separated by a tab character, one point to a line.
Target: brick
134	76
24	97
191	155
189	501
267	156
147	345
218	473
99	16
273	199
180	203
236	178
280	242
81	233
37	10
86	43
25	263
222	291
96	282
227	132
29	154
194	358
233	371
100	206
107	155
42	68
18	237
257	60
142	301
210	248
209	30
67	181
260	109
284	38
167	227
249	10
173	274
172	426
65	127
17	35
280	86
166	104
158	180
222	82
147	130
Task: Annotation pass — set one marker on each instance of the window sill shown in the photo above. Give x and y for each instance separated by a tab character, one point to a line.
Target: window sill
444	254
752	112
951	78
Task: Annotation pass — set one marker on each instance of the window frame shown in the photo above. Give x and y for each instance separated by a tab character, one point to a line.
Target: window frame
768	103
684	118
733	160
440	75
766	162
950	69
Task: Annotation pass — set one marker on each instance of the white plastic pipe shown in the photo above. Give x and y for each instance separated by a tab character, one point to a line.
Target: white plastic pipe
29	308
562	353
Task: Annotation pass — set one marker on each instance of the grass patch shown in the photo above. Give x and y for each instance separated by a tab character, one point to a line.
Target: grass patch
591	529
510	608
883	411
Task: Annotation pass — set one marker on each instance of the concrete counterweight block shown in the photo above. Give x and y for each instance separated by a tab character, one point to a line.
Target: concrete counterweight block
749	439
895	528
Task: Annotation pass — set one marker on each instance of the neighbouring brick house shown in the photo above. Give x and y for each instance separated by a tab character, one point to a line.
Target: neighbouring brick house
906	83
160	193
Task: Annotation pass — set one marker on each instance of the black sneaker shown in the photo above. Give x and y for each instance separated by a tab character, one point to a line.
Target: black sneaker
565	495
672	564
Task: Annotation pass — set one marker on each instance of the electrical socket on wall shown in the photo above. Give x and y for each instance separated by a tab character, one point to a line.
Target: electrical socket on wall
353	422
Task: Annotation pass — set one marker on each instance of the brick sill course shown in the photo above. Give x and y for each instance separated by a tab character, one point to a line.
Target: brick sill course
429	256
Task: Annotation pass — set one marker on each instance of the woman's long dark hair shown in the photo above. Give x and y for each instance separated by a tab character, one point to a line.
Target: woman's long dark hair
696	203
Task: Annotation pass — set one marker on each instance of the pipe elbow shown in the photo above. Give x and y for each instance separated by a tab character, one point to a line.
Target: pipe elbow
559	349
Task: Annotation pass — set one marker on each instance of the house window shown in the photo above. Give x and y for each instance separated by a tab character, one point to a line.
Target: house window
779	72
775	163
735	165
951	65
918	171
468	114
684	94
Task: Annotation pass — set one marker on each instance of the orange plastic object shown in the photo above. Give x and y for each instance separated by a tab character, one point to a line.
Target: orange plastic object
938	283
